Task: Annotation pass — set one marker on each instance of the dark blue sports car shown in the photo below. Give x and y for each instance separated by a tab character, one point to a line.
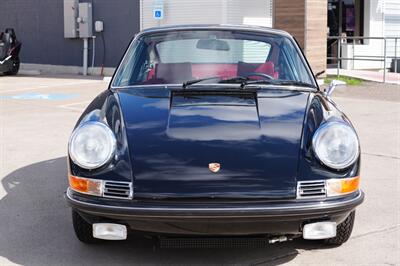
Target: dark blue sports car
214	131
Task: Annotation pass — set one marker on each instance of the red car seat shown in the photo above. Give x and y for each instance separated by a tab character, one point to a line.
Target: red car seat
266	68
173	73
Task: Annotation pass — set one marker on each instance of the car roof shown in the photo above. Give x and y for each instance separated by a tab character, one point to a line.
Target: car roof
216	27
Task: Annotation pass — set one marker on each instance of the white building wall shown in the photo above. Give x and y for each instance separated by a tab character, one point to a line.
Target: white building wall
392	26
381	19
253	12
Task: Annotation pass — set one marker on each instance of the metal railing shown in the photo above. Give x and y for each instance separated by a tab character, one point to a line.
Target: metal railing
381	58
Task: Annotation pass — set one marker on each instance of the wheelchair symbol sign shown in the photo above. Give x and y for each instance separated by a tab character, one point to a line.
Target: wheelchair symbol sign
158	13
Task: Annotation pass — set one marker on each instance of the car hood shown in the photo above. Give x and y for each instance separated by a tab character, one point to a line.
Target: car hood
173	136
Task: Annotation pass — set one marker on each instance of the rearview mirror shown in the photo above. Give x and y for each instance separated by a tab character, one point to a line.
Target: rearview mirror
212	44
334	83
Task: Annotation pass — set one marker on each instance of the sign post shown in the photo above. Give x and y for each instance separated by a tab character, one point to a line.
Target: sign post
158	11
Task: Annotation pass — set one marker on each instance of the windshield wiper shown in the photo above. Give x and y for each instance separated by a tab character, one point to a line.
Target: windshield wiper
244	81
194	81
280	82
238	79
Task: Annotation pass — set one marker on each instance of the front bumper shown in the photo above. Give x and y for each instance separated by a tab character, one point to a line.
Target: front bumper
217	218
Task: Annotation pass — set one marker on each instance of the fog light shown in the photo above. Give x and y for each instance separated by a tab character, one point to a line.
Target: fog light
320	230
109	231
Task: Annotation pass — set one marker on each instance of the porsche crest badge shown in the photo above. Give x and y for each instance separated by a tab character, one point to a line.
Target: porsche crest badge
214	167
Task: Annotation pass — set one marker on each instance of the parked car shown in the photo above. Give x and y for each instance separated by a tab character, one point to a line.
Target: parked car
214	130
9	52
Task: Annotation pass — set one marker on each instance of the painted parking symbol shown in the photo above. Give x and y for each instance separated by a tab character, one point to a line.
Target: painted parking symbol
41	96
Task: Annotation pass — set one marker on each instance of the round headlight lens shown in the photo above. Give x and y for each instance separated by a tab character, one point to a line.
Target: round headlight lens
336	145
92	145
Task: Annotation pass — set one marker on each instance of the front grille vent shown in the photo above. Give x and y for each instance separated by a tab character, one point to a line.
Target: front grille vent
311	189
213	242
122	190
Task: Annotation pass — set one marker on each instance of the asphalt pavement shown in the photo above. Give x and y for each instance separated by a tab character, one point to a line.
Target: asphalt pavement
37	115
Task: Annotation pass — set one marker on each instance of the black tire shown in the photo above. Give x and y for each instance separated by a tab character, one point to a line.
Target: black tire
343	231
83	230
15	68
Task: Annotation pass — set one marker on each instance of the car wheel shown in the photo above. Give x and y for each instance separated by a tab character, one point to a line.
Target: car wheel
15	68
343	231
83	230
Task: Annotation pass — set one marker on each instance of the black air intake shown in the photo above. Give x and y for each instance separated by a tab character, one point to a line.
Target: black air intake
213	242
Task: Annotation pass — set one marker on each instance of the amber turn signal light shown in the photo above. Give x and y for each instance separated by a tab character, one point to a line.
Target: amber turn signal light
85	185
337	187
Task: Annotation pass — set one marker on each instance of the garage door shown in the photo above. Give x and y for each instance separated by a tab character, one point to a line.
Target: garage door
253	12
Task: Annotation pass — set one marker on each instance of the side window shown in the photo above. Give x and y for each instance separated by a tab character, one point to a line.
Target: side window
124	74
142	71
285	70
296	64
139	68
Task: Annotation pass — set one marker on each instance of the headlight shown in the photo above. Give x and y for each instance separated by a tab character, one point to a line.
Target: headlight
336	145
92	145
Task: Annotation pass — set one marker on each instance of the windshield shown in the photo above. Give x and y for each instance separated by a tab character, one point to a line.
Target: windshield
175	57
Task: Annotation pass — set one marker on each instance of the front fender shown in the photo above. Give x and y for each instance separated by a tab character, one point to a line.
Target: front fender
105	109
319	111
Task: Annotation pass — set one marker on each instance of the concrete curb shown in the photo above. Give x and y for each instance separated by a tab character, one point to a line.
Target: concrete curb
36	69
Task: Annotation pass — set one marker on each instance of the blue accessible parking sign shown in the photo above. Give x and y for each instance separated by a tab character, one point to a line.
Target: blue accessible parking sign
158	13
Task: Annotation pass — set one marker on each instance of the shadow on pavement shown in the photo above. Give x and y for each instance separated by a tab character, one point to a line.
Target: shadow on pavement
36	229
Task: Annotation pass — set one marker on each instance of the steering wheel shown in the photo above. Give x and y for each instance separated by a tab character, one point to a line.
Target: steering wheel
258	74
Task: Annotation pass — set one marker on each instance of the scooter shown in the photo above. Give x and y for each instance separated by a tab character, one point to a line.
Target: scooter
9	52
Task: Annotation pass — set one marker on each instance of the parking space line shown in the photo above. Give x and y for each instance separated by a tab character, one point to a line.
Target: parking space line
69	106
50	86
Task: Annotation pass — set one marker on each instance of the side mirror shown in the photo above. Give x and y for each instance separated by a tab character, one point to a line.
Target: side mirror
319	73
332	86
